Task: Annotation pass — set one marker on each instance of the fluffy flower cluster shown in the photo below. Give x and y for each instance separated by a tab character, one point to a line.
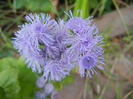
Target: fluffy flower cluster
54	48
47	89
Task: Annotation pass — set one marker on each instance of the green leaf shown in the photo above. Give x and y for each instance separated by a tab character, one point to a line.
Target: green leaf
25	77
4	65
103	3
2	93
85	9
9	82
82	5
93	4
77	7
57	84
68	79
19	4
60	84
27	80
108	6
40	5
126	38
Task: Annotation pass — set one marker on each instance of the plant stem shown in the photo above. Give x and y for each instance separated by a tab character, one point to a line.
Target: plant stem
121	16
85	88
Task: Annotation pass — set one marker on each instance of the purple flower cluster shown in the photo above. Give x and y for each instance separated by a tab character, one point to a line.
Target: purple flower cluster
54	48
47	89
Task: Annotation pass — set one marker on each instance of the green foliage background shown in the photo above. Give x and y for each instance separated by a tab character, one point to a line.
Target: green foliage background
16	80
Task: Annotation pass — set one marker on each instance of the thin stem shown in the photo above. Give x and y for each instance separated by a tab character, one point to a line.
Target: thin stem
103	90
85	88
121	16
123	22
66	4
95	10
128	94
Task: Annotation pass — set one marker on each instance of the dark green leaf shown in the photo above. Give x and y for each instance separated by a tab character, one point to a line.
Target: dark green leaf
2	93
9	82
93	4
42	5
21	74
19	4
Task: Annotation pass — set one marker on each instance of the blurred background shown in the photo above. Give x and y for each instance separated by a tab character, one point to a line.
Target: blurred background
114	18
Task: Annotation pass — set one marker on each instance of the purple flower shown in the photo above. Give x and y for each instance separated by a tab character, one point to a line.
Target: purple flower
54	48
61	34
54	95
41	94
83	43
35	40
57	69
46	88
82	36
86	45
49	88
24	43
78	24
88	62
40	82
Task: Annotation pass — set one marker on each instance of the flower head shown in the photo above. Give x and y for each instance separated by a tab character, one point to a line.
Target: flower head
54	48
86	45
41	94
35	40
56	70
88	62
49	88
41	82
78	24
54	95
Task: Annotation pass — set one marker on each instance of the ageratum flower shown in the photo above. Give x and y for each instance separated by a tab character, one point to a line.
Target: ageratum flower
40	82
55	95
35	40
48	88
86	44
57	69
89	61
61	34
78	24
24	43
41	94
54	48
